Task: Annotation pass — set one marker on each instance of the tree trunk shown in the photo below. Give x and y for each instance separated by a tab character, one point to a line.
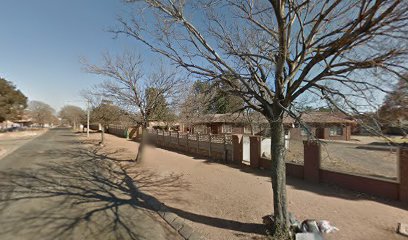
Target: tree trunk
139	155
278	175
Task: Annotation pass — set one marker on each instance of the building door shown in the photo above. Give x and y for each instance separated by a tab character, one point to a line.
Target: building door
320	133
214	129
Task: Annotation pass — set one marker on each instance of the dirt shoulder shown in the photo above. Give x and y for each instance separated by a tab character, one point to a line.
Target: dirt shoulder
11	141
224	202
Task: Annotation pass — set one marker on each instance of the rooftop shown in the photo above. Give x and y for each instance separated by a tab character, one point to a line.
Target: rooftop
307	117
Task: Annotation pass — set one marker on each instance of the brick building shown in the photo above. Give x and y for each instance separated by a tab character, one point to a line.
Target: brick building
322	125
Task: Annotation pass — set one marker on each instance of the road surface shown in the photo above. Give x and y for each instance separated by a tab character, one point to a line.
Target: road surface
55	188
11	141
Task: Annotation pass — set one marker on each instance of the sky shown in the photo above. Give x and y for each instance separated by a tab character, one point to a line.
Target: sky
42	41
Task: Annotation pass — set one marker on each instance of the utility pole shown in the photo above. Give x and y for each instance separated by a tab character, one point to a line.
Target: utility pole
87	120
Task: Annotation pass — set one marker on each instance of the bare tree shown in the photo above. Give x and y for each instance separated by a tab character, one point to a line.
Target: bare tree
137	93
73	114
195	103
394	110
280	50
105	113
102	111
41	113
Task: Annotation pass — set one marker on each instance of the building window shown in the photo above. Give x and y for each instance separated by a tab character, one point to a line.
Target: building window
336	131
226	128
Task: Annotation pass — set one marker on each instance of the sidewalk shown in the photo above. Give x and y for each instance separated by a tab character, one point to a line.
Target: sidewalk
224	202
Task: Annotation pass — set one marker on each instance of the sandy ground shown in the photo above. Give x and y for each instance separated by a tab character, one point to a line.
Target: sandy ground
371	139
349	158
223	202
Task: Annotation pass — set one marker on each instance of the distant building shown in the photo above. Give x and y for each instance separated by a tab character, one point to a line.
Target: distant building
322	125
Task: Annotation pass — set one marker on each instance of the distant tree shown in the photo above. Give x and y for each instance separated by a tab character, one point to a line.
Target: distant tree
105	113
161	111
223	101
208	98
41	113
140	95
73	115
194	103
394	110
219	99
12	101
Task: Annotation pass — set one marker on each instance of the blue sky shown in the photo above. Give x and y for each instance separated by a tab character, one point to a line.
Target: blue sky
42	41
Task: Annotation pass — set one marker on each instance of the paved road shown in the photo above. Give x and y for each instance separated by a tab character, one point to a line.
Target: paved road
53	188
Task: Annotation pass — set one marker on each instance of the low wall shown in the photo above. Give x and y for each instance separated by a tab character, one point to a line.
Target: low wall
118	131
292	169
94	127
295	170
201	145
312	172
226	148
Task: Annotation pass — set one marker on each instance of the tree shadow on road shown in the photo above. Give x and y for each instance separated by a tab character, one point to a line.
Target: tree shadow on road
80	198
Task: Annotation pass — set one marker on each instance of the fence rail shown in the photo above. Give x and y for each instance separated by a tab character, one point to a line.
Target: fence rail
216	146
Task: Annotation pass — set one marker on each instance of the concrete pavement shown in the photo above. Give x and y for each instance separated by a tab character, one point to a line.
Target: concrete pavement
54	188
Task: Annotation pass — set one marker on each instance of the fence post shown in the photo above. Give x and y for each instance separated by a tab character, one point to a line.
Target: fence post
164	138
187	145
237	149
178	140
311	161
254	151
198	142
403	172
157	135
209	145
225	148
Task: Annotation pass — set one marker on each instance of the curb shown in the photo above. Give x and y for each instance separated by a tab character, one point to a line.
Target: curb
176	222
